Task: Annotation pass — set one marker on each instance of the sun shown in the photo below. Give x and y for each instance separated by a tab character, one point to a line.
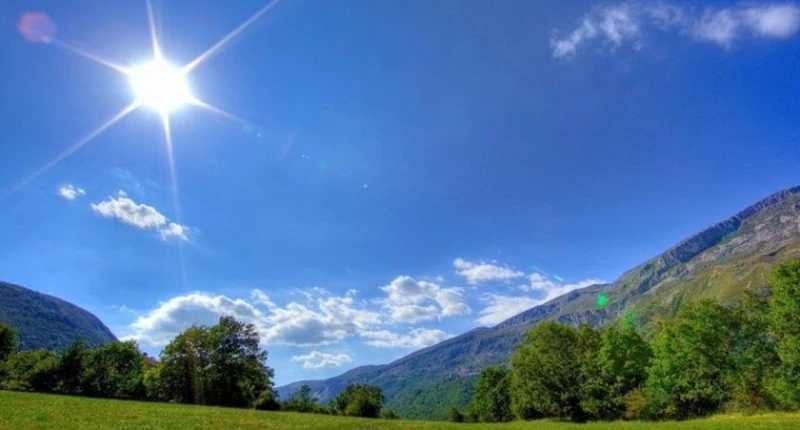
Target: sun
160	86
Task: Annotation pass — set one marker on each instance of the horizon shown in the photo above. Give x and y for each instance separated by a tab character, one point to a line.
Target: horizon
401	173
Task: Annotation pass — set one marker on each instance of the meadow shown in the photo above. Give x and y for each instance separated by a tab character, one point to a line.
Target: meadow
49	411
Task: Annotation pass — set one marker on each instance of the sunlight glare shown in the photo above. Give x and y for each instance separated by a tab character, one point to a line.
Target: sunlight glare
160	86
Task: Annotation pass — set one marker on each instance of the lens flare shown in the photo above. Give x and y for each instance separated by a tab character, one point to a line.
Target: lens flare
602	300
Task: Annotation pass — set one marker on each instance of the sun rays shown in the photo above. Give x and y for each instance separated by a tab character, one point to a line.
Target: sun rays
156	84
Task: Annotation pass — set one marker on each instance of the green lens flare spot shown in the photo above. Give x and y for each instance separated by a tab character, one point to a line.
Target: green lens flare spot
602	300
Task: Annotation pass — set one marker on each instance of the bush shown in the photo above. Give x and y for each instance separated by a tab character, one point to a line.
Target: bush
455	415
267	401
390	415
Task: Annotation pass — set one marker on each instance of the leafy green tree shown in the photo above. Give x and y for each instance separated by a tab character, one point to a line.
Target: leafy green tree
591	387
115	370
545	373
755	356
31	371
71	367
359	400
785	325
492	395
692	360
8	341
221	365
153	383
623	359
183	364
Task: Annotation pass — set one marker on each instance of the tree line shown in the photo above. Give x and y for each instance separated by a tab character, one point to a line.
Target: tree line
708	359
219	365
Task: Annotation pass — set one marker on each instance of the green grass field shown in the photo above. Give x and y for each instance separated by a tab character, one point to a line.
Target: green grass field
46	411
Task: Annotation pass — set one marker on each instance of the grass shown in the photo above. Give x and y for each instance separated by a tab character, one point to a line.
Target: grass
47	411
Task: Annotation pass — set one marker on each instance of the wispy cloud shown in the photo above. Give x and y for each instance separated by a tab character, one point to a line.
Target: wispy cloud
139	215
318	360
630	23
71	192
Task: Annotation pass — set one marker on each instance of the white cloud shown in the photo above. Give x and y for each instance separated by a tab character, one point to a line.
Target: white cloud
416	338
328	319
318	360
539	290
141	216
412	301
500	308
630	23
476	273
71	192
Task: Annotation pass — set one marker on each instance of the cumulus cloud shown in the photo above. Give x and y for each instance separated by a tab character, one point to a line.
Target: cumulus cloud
71	192
325	320
410	300
539	290
416	338
476	273
142	216
630	23
318	360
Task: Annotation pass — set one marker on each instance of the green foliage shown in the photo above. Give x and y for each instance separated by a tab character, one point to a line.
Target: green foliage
114	370
692	362
433	400
31	371
492	402
8	341
71	367
545	375
622	359
389	415
359	400
785	324
44	321
455	416
302	400
219	365
267	401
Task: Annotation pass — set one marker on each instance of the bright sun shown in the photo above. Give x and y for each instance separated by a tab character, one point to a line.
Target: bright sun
160	86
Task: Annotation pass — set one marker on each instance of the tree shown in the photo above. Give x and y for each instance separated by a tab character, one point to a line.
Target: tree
115	370
455	415
492	395
183	364
8	341
31	371
784	321
591	387
545	373
622	359
221	365
755	356
70	368
359	400
692	361
390	415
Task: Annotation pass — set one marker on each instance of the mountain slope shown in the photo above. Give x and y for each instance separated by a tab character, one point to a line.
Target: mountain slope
719	262
44	321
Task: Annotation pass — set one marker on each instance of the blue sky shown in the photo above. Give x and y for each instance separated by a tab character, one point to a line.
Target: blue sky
405	171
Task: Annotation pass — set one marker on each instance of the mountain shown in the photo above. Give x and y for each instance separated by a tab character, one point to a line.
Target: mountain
720	263
44	321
